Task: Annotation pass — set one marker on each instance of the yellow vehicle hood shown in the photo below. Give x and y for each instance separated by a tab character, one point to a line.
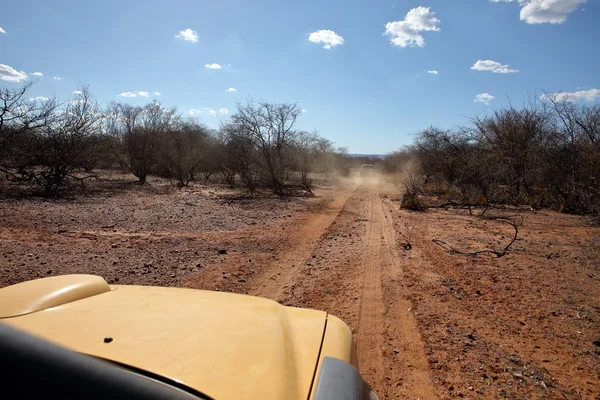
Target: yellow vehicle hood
224	345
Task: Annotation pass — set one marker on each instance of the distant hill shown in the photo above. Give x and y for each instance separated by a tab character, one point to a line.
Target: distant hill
379	156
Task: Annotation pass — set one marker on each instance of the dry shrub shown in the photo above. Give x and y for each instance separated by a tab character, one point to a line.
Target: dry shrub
412	181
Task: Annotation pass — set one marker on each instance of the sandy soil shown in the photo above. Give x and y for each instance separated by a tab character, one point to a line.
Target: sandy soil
428	323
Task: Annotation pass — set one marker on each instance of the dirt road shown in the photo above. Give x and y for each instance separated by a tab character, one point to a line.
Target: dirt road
338	261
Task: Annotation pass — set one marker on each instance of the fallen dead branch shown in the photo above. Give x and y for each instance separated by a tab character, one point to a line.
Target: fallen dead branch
469	206
498	253
83	178
485	207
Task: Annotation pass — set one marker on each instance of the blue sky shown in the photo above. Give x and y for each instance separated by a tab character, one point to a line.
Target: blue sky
369	91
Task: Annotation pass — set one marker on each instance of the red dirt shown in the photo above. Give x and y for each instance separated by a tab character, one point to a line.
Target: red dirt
428	324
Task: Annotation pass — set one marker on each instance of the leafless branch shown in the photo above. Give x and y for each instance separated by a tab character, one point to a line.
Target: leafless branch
498	253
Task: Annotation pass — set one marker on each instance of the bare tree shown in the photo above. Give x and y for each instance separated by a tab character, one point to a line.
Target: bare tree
69	142
182	150
440	152
397	161
20	113
59	144
139	130
242	157
270	127
578	122
573	155
212	156
545	154
21	118
514	137
311	154
44	143
343	161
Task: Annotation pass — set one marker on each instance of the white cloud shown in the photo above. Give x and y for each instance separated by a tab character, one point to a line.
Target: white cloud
158	93
137	93
2	30
200	111
432	72
77	92
407	32
8	73
484	98
545	11
587	95
37	74
304	110
493	66
213	66
57	78
549	11
328	38
224	111
188	34
231	90
39	98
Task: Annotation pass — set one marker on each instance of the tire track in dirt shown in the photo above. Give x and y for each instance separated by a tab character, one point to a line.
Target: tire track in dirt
390	348
372	309
403	329
301	244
